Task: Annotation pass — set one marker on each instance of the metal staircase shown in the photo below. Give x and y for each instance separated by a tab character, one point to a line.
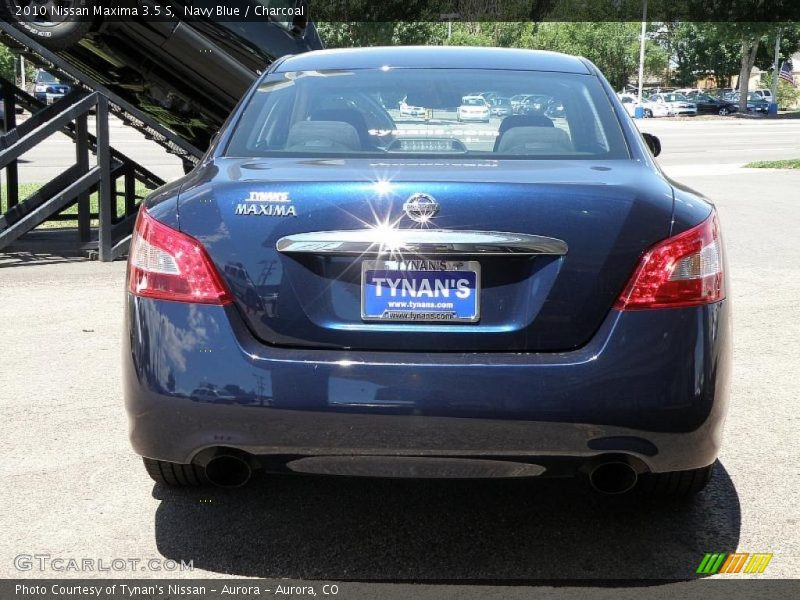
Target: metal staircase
118	204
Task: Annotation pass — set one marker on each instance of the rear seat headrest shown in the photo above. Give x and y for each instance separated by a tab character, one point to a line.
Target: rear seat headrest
323	136
535	140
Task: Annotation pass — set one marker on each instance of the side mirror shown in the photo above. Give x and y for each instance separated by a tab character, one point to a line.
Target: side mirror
653	143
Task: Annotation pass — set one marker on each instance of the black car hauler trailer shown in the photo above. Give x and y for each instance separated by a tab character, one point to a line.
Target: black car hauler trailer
182	125
70	116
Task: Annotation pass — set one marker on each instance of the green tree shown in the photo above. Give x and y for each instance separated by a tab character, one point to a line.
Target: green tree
419	33
788	94
704	49
790	43
6	63
612	46
750	37
355	33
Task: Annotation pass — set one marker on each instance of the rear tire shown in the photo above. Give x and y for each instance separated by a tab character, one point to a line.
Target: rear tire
53	35
174	474
675	484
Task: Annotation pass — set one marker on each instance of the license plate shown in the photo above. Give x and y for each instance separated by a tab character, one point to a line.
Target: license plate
422	291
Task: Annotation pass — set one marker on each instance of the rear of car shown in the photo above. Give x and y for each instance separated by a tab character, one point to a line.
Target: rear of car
49	89
428	299
679	105
406	110
473	108
501	107
757	103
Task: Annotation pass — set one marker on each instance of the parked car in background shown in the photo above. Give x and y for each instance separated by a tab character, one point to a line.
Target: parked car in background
407	110
555	110
48	88
763	93
488	96
516	100
707	104
500	107
629	102
204	394
757	103
675	104
650	109
534	104
473	108
647	92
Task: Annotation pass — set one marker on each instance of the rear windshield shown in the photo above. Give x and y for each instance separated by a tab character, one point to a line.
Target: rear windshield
416	112
45	77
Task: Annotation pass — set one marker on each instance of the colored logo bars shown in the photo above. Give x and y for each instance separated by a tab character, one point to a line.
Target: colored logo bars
735	562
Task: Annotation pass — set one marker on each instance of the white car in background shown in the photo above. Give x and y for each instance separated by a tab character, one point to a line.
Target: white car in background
474	108
406	110
630	102
676	104
763	93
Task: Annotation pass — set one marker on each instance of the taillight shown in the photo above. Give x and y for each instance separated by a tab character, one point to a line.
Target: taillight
684	270
169	265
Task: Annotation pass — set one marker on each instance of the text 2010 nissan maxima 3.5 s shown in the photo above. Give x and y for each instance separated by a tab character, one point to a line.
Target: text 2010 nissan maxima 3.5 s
341	289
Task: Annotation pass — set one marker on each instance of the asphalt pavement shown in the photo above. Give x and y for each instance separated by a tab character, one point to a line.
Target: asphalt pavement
73	488
45	161
721	145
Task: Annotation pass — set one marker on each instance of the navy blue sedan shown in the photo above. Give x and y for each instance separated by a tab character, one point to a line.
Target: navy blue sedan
341	288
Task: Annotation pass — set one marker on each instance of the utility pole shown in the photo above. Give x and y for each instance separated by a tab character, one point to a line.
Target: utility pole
449	17
776	71
640	109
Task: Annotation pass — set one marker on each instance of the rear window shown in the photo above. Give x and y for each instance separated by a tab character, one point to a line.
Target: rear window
366	113
45	77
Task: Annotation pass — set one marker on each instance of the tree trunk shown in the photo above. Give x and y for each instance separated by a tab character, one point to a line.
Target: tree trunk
749	51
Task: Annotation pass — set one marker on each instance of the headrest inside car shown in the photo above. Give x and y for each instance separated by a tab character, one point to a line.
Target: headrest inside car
535	140
322	136
524	121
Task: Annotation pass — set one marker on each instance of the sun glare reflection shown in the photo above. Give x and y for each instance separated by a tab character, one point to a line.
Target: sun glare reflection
388	237
382	187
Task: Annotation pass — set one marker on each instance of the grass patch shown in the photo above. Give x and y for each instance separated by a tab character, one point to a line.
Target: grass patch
791	163
26	189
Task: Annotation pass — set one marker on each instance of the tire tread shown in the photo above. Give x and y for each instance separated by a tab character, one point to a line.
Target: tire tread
676	484
174	474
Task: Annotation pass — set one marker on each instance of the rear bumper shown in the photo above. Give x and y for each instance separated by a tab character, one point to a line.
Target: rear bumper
477	118
48	98
651	384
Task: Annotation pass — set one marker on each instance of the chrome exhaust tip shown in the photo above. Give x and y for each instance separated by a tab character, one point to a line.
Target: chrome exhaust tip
613	477
228	470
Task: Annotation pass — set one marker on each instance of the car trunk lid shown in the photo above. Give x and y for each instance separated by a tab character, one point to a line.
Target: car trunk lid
551	243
